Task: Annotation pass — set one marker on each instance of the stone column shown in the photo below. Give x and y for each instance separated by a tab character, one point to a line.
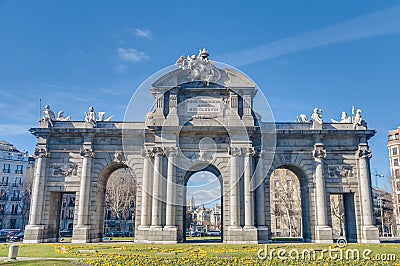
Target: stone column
34	229
84	189
81	232
248	195
144	219
170	188
38	187
157	188
370	233
260	201
323	231
234	197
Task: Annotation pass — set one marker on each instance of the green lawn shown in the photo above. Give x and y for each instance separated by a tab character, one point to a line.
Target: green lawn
187	254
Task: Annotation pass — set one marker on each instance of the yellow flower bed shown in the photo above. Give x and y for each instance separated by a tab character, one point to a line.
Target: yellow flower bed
202	255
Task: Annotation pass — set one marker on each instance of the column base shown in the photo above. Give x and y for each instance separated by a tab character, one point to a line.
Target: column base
323	235
81	234
239	235
166	235
369	234
143	227
262	233
33	234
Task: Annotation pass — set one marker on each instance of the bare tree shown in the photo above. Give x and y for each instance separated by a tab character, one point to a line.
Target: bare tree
337	209
26	194
121	194
285	189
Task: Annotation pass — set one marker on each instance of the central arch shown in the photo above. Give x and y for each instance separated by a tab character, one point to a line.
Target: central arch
195	170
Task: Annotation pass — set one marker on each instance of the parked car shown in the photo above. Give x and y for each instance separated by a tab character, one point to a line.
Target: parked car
197	233
3	236
66	232
17	237
117	234
214	233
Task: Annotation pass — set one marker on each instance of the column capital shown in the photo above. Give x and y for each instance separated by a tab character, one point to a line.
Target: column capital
86	152
158	151
119	157
235	151
249	151
171	151
364	152
319	151
147	153
41	152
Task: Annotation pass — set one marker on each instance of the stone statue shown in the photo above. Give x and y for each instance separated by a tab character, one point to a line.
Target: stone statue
60	117
357	120
344	118
90	117
101	117
302	118
200	67
48	115
316	116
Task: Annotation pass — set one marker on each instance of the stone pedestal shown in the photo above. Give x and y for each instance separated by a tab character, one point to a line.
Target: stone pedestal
33	234
81	234
323	235
239	235
166	235
369	234
262	233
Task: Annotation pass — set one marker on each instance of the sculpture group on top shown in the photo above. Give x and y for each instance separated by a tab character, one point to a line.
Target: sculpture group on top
200	67
90	117
316	118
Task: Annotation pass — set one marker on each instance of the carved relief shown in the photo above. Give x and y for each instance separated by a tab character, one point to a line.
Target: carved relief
340	171
65	169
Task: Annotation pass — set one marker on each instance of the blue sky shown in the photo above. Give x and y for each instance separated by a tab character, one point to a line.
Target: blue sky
74	54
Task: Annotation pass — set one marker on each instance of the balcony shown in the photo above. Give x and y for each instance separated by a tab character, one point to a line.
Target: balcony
15	184
15	198
6	171
4	183
20	172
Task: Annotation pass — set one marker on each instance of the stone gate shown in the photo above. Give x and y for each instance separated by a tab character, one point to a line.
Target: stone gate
203	119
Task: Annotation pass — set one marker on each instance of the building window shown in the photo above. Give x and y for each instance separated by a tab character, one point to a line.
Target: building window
398	186
13	223
395	162
19	169
276	183
2	209
394	151
6	168
398	198
14	209
4	181
396	173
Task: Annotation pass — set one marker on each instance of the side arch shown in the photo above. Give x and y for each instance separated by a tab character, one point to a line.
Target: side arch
305	195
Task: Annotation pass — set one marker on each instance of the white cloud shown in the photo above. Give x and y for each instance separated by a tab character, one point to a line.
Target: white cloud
131	55
143	33
379	23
